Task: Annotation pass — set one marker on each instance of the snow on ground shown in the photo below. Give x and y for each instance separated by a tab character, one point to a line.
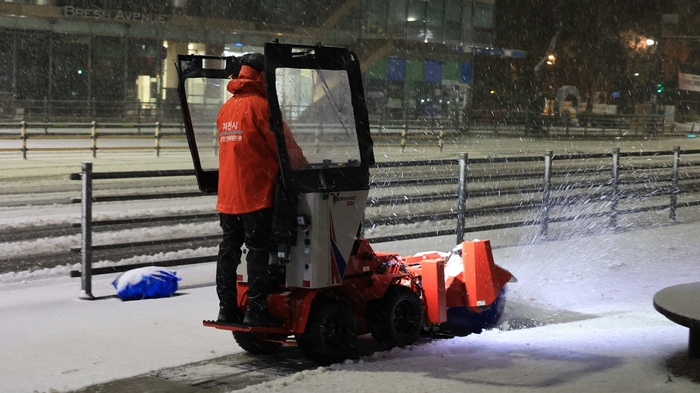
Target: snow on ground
579	319
595	329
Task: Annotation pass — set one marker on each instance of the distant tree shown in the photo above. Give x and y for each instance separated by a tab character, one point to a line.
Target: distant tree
591	52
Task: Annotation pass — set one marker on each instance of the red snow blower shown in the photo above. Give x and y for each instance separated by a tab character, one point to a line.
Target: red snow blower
333	287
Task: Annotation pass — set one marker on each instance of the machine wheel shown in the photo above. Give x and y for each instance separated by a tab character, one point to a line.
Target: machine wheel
251	344
396	318
331	331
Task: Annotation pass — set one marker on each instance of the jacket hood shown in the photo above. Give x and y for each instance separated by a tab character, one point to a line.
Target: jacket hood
249	81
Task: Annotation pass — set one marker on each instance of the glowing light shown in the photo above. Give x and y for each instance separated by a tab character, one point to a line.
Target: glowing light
650	42
493	92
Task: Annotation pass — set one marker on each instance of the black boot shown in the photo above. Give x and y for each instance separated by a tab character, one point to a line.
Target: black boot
257	317
257	314
230	315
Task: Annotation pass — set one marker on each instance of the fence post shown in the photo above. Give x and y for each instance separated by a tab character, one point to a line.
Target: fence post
23	135
675	190
93	136
86	225
157	138
615	188
544	229
381	120
462	196
441	136
404	135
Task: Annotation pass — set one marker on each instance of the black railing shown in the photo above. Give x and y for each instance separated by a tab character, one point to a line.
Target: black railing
460	196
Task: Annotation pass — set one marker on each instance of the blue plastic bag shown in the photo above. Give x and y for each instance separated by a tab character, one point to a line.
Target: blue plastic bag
146	283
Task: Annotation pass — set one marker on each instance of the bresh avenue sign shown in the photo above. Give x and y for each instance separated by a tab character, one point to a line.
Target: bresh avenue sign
121	16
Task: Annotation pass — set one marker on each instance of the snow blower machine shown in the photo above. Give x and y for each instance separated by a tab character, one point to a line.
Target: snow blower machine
333	287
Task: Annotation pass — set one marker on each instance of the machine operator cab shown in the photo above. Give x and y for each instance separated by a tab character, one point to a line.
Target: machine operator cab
316	92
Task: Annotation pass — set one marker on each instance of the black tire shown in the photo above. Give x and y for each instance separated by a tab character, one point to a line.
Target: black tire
330	333
396	319
251	344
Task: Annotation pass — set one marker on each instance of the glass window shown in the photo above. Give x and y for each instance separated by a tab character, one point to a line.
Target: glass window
453	17
483	15
434	26
70	68
376	15
6	65
142	60
397	18
205	96
351	21
415	17
108	74
316	105
33	66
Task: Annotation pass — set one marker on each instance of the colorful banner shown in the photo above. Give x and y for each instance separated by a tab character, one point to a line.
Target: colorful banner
395	69
432	72
465	73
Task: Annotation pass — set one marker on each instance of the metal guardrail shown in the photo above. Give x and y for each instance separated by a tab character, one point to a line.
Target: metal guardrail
429	130
546	183
91	131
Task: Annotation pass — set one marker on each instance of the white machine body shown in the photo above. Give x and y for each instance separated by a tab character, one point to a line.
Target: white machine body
323	247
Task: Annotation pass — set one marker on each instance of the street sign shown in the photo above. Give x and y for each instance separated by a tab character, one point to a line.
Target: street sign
688	82
669	19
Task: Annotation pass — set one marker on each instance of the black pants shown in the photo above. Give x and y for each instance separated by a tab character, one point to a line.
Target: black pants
253	229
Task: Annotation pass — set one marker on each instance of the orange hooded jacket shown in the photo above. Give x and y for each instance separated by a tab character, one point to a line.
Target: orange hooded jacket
248	162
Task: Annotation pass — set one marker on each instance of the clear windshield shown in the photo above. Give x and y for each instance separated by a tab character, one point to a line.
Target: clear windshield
205	96
316	106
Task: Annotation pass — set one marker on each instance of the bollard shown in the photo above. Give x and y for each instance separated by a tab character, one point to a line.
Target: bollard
23	135
615	188
86	225
157	139
674	183
544	229
462	196
93	136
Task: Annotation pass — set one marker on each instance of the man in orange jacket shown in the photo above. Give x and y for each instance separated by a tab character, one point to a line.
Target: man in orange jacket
248	175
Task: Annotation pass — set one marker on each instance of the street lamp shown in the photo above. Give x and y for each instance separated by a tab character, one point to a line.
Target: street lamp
650	42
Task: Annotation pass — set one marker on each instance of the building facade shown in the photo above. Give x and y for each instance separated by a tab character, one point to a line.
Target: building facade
111	59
